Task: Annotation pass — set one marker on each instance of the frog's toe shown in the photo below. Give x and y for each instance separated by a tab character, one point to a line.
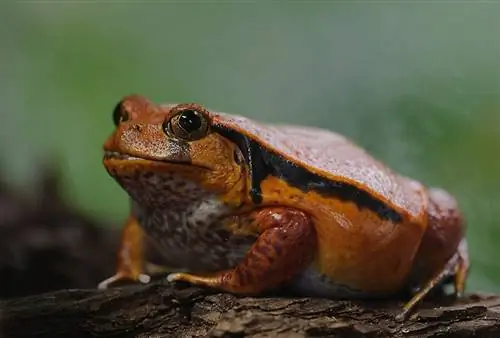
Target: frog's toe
105	284
182	277
173	277
119	278
206	281
143	278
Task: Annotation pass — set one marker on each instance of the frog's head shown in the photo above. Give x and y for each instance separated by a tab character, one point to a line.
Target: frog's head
168	153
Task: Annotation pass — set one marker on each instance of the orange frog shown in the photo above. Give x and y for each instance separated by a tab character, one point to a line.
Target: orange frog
245	207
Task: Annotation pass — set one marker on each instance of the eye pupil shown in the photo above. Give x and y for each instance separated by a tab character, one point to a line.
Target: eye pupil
190	120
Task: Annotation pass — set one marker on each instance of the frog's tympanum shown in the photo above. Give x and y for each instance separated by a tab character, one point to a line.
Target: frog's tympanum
246	207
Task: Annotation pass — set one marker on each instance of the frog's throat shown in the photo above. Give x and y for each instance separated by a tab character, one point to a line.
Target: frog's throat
157	184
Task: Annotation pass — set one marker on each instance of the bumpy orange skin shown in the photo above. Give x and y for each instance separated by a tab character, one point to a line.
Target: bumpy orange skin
317	204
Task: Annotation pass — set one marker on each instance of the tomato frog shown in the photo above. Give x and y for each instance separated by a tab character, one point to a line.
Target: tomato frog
246	207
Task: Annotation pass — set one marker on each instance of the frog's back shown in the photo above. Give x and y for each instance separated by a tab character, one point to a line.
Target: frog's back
365	214
332	157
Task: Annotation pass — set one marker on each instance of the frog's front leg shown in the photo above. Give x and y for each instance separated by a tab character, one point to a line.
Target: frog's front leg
130	265
286	245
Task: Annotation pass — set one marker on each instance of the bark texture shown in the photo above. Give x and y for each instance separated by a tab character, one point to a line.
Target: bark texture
162	310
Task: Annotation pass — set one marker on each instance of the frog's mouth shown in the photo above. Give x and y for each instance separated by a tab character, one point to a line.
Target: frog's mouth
122	158
114	155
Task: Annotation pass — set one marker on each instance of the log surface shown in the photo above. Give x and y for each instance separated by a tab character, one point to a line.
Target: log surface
163	310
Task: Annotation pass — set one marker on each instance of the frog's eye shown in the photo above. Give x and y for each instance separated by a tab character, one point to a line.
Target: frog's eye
119	114
187	124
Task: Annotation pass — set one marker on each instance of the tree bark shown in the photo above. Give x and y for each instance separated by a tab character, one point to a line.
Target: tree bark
163	310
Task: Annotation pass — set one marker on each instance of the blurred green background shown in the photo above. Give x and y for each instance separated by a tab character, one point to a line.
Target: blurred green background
416	83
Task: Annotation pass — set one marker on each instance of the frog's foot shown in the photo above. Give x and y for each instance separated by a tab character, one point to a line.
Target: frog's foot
135	276
285	247
457	267
122	277
208	281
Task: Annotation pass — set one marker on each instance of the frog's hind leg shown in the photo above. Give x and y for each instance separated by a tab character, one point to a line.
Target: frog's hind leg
457	267
130	265
285	246
444	238
462	269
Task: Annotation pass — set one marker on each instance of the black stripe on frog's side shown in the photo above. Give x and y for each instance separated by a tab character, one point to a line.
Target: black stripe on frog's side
263	162
250	150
